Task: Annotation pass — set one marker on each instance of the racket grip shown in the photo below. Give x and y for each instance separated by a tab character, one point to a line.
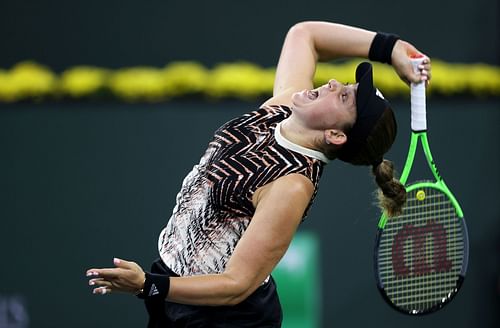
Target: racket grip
418	109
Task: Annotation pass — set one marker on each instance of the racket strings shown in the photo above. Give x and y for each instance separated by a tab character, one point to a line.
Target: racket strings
421	252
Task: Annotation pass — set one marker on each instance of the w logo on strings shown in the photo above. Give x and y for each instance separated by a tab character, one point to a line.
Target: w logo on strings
423	260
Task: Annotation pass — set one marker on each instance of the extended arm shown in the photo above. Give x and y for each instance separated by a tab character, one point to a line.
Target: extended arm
279	209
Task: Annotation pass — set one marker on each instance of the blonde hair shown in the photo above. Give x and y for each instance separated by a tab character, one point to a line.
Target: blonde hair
391	194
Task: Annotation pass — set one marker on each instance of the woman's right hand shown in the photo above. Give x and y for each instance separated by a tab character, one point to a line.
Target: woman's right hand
401	61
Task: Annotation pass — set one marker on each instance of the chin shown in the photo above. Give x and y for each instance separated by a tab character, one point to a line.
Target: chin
297	98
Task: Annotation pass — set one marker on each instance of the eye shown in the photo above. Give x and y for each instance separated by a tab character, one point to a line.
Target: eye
344	96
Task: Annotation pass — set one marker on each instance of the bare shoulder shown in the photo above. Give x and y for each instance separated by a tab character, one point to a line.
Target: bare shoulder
294	188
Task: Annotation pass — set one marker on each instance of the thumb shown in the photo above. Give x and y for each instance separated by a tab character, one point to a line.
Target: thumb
120	263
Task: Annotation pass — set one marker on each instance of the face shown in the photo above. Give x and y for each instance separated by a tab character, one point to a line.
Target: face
331	106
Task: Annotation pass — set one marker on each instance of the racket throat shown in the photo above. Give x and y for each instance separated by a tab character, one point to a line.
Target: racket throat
415	137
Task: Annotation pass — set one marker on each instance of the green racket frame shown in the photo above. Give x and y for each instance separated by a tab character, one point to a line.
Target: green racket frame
419	132
438	184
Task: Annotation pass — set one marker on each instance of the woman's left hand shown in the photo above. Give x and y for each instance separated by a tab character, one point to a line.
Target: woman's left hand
126	277
401	61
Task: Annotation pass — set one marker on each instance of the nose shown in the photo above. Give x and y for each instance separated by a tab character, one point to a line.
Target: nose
333	84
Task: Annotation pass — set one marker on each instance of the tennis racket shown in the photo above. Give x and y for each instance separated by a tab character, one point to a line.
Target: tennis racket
421	256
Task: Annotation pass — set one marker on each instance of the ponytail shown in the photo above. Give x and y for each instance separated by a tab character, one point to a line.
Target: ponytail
392	194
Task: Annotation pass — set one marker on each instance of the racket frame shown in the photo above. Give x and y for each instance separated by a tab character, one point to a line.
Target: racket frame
438	184
419	120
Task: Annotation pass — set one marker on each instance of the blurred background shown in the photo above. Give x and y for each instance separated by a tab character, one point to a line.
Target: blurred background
89	171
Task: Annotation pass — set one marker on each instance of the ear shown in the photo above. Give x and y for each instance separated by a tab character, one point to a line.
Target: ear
335	137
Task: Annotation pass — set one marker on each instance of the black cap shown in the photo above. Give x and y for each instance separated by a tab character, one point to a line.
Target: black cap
370	104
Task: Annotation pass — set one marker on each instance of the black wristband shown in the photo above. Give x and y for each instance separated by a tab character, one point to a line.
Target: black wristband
156	287
381	47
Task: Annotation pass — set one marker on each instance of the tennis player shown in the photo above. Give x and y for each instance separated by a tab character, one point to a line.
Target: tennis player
238	209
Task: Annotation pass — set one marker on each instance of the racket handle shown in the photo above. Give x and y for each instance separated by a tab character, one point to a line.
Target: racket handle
418	110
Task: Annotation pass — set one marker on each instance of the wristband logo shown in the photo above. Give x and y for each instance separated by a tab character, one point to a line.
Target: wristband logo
153	291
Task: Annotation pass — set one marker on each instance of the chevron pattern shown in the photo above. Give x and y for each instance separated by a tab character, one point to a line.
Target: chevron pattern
214	205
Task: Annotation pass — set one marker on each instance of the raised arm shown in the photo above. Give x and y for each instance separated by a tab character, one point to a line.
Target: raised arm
308	43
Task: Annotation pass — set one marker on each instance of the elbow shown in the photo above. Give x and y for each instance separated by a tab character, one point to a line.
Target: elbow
300	30
233	301
306	28
237	298
302	34
237	292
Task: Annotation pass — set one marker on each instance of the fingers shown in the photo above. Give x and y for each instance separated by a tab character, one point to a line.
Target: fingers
110	273
101	278
423	73
99	282
401	61
425	69
125	277
102	291
124	264
102	286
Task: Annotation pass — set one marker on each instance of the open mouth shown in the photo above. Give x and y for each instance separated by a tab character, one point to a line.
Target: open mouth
312	94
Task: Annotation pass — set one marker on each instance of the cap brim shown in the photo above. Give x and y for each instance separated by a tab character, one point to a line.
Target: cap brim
364	78
370	104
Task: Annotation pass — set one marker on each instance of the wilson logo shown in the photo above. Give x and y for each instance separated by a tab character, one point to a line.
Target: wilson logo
427	246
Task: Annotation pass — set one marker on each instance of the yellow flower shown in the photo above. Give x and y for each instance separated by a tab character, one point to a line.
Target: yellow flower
81	81
182	78
26	80
138	84
483	79
241	80
8	91
29	80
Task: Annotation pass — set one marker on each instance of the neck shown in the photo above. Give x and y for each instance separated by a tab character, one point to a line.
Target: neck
293	146
295	132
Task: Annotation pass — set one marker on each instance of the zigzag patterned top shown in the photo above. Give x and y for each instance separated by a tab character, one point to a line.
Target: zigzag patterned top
214	205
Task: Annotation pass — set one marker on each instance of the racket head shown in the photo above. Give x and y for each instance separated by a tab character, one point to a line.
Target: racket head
421	256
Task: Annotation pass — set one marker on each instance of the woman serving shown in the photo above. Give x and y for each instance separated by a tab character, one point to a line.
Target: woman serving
239	207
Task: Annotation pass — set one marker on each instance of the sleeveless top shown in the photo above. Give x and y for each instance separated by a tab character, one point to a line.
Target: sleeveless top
214	205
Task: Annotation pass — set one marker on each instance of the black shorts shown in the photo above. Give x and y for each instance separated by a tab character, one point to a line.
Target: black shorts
262	309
